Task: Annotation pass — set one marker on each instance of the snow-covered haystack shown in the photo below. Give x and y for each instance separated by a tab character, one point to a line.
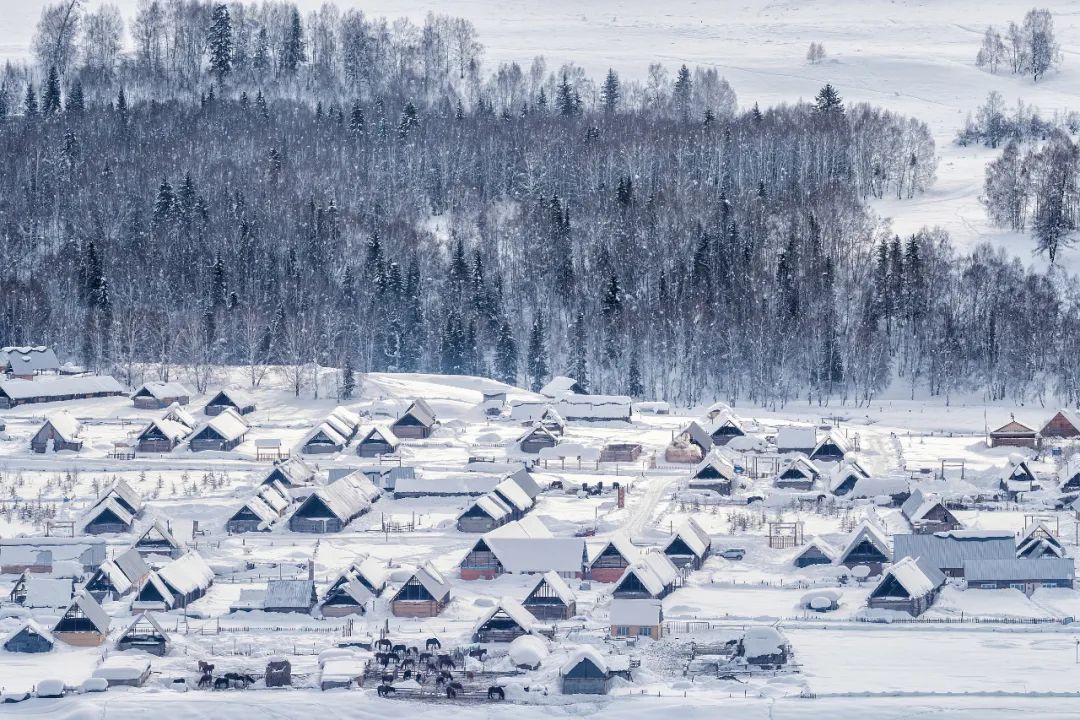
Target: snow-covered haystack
50	688
821	600
528	651
764	646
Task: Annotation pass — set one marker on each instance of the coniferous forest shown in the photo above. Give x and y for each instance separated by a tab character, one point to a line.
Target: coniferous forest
205	184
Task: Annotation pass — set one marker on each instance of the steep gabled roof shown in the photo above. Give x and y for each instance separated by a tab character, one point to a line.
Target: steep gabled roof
693	536
421	411
512	609
182	416
557	585
91	609
109	504
229	396
511	493
620	541
917	579
188	573
227	425
162	390
1012	428
382	432
714	460
816	543
327	433
869	532
169	429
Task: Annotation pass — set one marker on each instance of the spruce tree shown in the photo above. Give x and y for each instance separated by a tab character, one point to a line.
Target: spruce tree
506	355
357	124
579	351
348	380
538	353
293	52
610	93
220	42
682	93
50	99
30	103
829	101
634	387
564	98
76	102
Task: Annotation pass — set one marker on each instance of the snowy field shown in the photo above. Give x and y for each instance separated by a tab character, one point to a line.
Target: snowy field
911	56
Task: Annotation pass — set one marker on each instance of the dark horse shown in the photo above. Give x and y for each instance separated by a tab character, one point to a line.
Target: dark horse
385	690
433	643
496	693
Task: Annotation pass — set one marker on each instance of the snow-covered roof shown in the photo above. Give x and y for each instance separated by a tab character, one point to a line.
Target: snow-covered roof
844	470
91	609
463	484
346	497
340	426
180	415
870	532
260	509
35	629
594	407
158	531
692	534
1020	569
954	549
188	573
512	609
46	592
557	585
917	579
123	667
584	652
125	569
276	496
1038	529
295	470
1071	416
420	410
529	555
162	390
762	640
492	506
169	429
526	482
228	425
28	359
230	396
796	437
835	438
641	612
384	433
65	425
718	462
802	465
328	433
110	504
1069	469
661	566
432	580
621	542
870	487
645	574
147	618
347	416
60	387
918	505
289	594
1012	428
509	491
825	548
529	526
558	386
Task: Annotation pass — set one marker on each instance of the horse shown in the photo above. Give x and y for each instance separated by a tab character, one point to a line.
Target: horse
456	686
387	677
496	693
478	653
384	643
382	658
406	674
205	668
408	662
399	649
413	651
221	683
445	661
433	643
385	690
451	693
393	657
206	680
425	658
420	679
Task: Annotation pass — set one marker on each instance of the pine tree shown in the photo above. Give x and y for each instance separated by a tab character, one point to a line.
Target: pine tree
30	103
634	386
50	99
4	99
260	61
538	353
348	380
293	52
541	102
356	119
829	101
682	93
579	351
409	120
220	42
611	92
122	108
564	98
76	102
506	355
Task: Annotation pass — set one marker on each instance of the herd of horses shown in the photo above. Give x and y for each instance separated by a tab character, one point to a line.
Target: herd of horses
224	681
399	661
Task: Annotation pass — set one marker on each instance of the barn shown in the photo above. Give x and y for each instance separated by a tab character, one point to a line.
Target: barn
176	585
1064	424
25	392
60	431
536	439
504	623
223	432
228	399
689	547
416	423
586	672
632	618
84	623
425	594
292	472
551	598
1014	434
908	586
160	395
145	634
868	546
290	596
162	436
379	440
30	638
800	474
331	507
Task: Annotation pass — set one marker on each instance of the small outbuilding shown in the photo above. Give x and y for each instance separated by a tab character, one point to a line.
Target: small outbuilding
228	399
614	557
800	474
425	594
1014	434
349	594
927	514
416	423
689	446
868	546
290	596
505	622
331	507
291	472
815	552
716	473
551	598
689	547
223	432
586	672
161	436
832	448
60	431
84	623
323	440
145	634
160	395
908	586
537	439
30	638
108	516
379	440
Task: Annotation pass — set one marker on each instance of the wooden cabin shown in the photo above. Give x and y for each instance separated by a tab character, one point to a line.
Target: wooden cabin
60	431
613	559
908	586
504	623
868	546
84	624
323	440
380	440
108	516
723	428
176	585
1014	434
30	638
832	448
158	539
28	361
527	547
689	547
223	432
425	594
715	473
928	515
1018	479
653	576
633	618
161	436
484	515
292	472
331	507
228	399
800	474
1064	424
360	583
536	439
416	423
17	392
160	395
586	672
844	478
145	634
118	577
261	511
551	598
815	552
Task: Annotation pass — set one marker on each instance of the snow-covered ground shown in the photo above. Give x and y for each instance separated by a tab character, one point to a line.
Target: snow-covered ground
911	56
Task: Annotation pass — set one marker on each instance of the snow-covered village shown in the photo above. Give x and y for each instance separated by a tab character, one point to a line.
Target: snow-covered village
404	358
